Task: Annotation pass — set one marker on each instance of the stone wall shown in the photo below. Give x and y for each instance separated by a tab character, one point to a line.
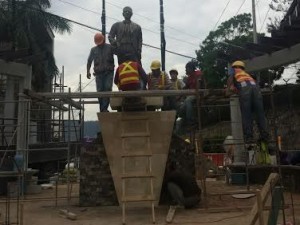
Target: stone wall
96	183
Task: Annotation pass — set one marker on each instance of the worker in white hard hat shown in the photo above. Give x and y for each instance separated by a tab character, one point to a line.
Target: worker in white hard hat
251	101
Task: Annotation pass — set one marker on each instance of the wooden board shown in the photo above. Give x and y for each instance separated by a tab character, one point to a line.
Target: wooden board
115	125
264	193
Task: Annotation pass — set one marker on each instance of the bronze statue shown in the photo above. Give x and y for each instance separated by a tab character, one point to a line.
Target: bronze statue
126	36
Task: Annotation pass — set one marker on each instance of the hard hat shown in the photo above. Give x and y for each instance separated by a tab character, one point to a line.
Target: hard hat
238	63
173	70
187	140
98	39
155	65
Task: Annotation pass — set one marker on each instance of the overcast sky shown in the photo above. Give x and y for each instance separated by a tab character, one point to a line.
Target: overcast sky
187	23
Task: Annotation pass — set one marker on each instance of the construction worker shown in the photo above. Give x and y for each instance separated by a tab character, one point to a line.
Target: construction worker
126	36
187	110
182	187
177	83
159	80
251	101
130	75
103	59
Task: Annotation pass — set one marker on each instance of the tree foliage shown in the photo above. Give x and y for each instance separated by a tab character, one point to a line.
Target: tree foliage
280	7
23	23
220	46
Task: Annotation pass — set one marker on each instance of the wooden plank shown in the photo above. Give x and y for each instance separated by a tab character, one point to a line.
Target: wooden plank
71	102
276	205
138	198
33	95
260	210
123	94
265	191
278	58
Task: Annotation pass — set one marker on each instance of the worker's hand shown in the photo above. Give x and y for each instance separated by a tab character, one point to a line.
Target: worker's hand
88	75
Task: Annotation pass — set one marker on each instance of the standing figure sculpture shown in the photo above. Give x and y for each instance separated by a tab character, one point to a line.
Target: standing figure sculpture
126	36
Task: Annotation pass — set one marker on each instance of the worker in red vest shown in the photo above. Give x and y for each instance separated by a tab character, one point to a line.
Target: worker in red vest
187	110
130	75
251	101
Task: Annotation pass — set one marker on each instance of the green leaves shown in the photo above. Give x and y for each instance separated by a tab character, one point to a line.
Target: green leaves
220	46
30	28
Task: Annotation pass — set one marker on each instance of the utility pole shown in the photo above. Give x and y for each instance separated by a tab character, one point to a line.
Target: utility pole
162	36
103	19
254	22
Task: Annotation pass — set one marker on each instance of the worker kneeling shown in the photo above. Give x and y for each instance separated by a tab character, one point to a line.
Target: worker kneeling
182	187
130	75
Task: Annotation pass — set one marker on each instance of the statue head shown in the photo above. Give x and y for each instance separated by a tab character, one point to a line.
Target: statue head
127	12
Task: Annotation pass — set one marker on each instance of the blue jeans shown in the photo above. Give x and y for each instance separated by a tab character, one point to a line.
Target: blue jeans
251	102
104	82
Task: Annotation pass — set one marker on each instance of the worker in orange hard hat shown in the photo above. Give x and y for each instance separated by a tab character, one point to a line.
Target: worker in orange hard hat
98	38
251	101
103	59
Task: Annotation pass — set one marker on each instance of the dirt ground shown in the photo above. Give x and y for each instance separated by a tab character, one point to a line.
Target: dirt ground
41	209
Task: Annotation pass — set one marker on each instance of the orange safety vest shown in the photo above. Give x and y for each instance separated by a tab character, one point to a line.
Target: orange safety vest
243	76
128	73
162	79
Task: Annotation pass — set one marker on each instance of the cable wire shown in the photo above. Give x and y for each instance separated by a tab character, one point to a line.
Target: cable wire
237	12
265	19
88	10
222	14
150	19
97	29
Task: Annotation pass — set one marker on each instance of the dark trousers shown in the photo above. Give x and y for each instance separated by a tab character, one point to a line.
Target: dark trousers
251	103
179	199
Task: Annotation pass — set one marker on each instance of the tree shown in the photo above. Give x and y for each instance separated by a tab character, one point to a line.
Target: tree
22	24
222	46
280	7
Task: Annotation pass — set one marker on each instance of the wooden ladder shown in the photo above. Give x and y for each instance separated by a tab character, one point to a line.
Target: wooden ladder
145	153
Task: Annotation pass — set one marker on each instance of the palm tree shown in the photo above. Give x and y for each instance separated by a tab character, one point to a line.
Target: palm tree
24	24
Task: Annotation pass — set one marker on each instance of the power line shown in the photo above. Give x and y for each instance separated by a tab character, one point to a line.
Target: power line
237	12
88	10
222	14
97	29
265	19
150	19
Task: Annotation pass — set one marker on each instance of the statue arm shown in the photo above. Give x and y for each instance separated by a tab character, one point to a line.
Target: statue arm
140	39
112	35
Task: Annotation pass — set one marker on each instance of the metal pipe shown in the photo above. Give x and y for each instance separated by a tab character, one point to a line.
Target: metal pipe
162	36
148	93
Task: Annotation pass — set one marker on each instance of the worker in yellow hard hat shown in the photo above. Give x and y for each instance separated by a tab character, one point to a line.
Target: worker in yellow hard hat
102	57
159	80
251	101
